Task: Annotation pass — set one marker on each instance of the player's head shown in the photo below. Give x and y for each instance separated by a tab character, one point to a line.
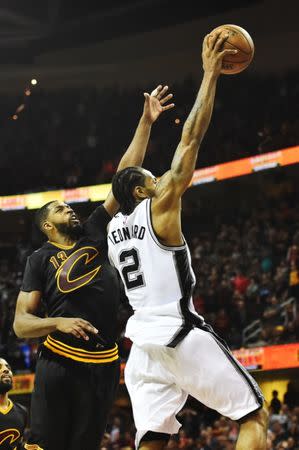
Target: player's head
58	217
132	185
5	376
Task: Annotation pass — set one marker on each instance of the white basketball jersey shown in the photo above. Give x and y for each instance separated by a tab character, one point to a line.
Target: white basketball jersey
158	280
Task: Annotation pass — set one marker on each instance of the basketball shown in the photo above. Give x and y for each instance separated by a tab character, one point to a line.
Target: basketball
240	40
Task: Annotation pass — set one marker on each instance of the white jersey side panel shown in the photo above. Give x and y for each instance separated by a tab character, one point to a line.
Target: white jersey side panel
158	280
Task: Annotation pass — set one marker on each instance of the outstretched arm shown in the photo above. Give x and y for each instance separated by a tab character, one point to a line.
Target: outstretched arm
154	105
166	204
183	164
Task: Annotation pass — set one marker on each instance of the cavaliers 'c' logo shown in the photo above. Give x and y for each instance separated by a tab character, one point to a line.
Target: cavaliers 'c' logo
10	435
65	282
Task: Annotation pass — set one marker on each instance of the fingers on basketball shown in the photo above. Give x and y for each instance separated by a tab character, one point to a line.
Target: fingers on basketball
227	51
205	43
220	41
213	39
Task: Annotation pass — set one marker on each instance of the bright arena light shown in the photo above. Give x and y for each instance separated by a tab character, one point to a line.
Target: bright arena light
33	81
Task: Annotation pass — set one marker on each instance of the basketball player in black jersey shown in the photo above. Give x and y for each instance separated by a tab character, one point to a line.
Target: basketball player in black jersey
78	370
13	416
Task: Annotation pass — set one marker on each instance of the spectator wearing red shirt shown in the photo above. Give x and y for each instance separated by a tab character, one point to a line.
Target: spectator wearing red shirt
240	282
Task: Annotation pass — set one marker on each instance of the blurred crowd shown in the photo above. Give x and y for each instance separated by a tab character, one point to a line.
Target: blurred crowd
76	137
204	429
247	270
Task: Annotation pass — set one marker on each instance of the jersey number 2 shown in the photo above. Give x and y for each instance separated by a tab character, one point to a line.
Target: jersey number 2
131	271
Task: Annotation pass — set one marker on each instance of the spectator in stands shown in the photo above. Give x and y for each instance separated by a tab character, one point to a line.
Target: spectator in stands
291	396
200	431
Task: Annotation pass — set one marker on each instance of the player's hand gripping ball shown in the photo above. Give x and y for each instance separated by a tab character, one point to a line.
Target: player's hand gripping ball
240	40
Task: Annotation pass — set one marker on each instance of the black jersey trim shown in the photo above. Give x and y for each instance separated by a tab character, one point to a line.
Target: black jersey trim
154	436
251	413
180	335
186	281
241	370
153	234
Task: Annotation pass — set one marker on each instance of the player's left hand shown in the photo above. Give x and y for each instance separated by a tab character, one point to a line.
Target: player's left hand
155	103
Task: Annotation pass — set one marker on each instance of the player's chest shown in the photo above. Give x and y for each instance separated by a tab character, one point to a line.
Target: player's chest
72	269
11	429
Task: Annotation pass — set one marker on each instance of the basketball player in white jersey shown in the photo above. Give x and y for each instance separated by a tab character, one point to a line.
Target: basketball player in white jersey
174	352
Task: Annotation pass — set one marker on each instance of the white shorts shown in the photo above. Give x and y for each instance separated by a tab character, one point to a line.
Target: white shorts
159	380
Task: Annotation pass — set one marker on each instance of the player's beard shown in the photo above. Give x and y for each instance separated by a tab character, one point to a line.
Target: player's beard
73	232
5	387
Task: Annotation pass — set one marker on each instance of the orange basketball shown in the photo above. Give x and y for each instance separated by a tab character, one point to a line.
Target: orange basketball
241	40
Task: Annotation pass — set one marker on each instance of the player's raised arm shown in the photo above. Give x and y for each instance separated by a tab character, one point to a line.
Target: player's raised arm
154	104
178	178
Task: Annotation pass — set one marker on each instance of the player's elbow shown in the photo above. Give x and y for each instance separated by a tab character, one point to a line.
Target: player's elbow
184	161
18	328
181	180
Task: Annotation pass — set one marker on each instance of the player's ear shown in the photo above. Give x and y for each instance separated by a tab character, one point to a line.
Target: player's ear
47	226
139	192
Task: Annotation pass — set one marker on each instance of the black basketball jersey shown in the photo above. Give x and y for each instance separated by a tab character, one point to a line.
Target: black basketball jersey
78	281
12	425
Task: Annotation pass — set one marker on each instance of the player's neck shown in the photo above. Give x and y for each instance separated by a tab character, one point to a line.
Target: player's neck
138	201
4	401
61	239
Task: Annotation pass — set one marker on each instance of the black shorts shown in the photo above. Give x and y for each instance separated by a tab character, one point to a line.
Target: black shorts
70	402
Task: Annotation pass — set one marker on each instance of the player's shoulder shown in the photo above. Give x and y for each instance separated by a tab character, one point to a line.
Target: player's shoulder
37	259
37	254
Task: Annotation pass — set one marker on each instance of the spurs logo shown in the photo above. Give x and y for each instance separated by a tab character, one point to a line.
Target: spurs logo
10	435
65	282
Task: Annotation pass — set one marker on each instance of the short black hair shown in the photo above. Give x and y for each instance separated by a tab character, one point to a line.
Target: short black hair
42	214
123	184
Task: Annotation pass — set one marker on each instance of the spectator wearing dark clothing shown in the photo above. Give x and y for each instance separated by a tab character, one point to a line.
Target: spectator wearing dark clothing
275	402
